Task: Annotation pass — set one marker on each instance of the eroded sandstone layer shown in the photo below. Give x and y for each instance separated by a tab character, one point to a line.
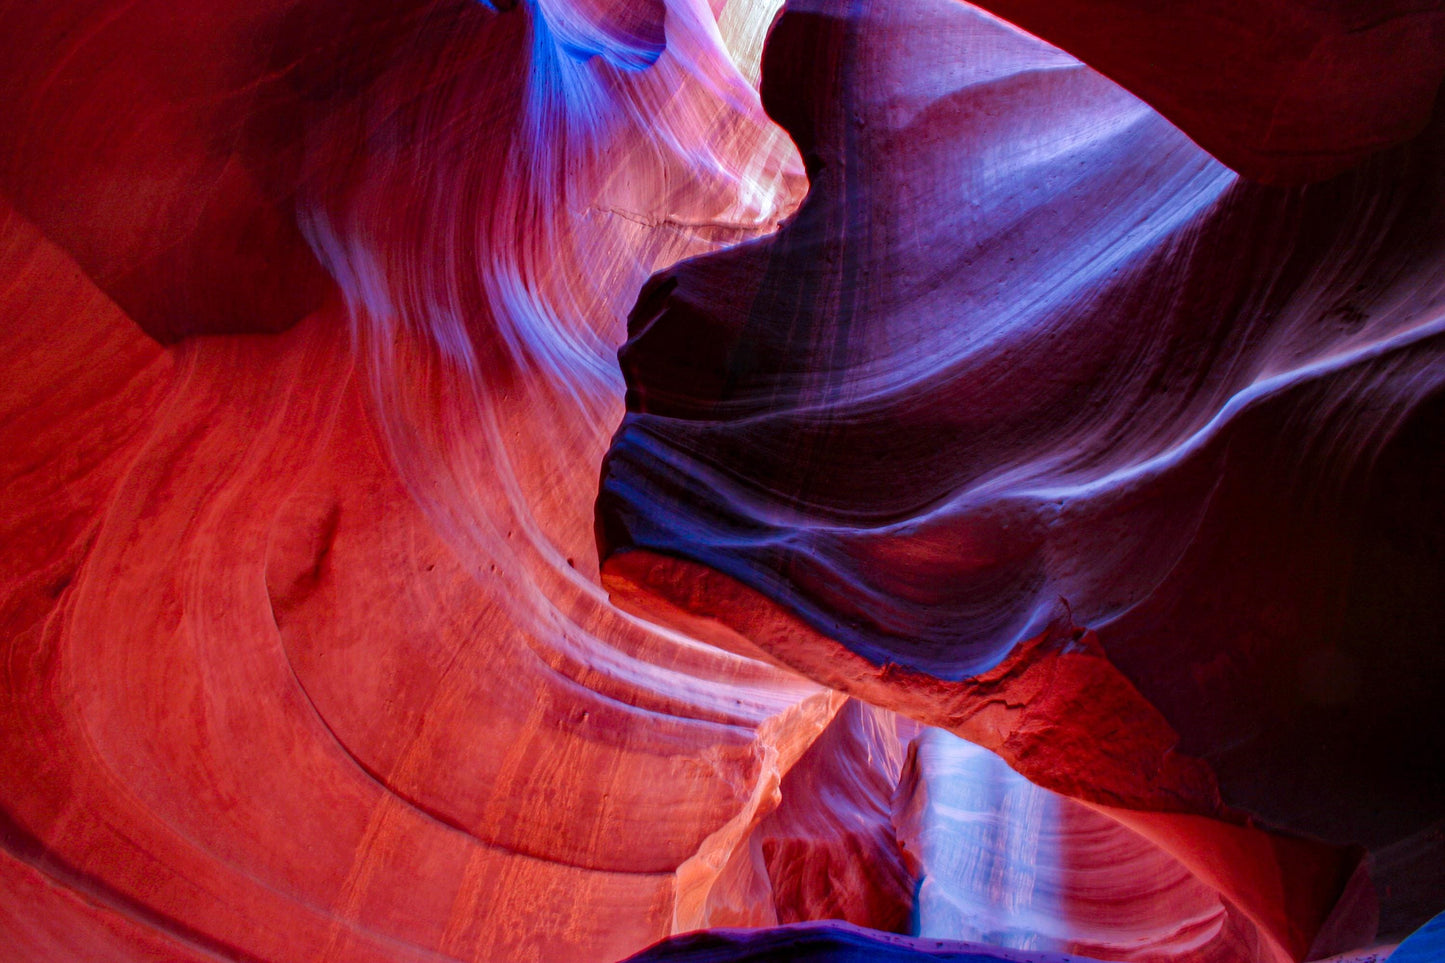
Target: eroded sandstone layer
970	406
1037	424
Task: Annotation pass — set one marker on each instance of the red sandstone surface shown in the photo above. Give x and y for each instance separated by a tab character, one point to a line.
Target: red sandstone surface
1077	404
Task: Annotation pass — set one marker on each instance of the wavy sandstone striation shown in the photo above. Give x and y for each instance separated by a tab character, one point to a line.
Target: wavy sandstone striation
969	399
305	654
1027	360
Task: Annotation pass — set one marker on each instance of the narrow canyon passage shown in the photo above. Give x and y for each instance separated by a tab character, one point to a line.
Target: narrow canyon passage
567	479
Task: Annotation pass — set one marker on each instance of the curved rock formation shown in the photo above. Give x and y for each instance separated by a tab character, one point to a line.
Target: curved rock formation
1025	359
1005	863
305	654
1283	91
309	313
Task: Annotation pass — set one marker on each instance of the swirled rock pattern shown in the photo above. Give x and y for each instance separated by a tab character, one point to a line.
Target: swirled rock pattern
305	654
986	388
969	397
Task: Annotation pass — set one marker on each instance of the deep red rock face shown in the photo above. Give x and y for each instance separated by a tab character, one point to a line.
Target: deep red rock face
974	417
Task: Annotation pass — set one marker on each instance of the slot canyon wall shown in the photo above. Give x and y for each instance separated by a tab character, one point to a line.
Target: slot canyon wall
722	480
